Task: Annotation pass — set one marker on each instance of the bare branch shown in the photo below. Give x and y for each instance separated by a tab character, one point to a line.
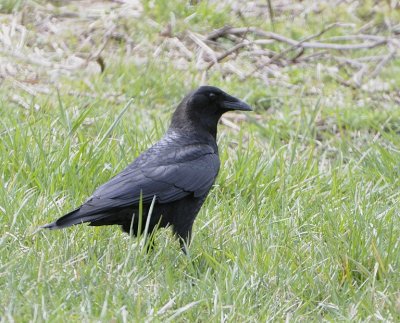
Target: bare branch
306	44
227	53
382	63
203	46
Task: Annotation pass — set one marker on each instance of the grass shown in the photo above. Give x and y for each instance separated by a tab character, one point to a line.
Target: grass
302	224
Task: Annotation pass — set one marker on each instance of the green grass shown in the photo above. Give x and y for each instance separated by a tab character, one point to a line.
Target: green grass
302	224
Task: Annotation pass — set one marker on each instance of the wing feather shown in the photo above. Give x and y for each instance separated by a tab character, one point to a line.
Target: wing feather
170	176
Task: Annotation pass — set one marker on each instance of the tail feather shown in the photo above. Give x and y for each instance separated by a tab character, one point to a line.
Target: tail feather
84	214
73	218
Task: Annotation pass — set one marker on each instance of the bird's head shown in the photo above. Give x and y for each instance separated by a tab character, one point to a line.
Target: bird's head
203	108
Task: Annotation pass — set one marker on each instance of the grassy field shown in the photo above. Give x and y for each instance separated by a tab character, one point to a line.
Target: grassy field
303	222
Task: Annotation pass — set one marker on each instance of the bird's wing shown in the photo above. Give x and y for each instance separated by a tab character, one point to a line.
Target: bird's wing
169	176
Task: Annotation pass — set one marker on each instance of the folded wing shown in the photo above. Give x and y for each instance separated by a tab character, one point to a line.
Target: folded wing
169	175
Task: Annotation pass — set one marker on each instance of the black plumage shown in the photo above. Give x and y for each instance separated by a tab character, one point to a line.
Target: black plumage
178	172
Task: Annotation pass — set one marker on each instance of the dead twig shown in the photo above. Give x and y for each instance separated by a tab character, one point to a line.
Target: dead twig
271	14
304	43
221	32
230	51
358	77
355	37
263	38
298	45
18	100
230	124
203	46
182	48
382	63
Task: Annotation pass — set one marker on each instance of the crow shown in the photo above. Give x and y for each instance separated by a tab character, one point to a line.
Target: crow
171	179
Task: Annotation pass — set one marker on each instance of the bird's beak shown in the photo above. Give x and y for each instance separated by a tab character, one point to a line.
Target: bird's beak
231	103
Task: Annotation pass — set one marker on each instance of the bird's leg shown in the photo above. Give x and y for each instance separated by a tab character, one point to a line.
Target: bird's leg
184	245
184	236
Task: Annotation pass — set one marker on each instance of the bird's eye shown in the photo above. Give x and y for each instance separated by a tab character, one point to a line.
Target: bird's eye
212	95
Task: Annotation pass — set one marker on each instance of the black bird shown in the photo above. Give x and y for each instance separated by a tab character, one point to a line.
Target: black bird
178	172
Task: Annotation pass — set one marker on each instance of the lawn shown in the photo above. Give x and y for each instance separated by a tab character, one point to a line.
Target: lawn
303	221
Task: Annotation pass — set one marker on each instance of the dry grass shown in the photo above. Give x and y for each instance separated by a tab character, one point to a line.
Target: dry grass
43	41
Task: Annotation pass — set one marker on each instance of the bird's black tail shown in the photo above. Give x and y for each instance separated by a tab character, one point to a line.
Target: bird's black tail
72	218
85	213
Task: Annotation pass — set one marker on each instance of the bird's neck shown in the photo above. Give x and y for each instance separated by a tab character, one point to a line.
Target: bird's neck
199	128
195	131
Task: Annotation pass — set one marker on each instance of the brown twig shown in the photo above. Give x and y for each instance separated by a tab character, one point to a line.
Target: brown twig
230	51
221	32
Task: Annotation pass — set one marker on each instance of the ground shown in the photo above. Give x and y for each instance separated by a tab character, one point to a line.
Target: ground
303	222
